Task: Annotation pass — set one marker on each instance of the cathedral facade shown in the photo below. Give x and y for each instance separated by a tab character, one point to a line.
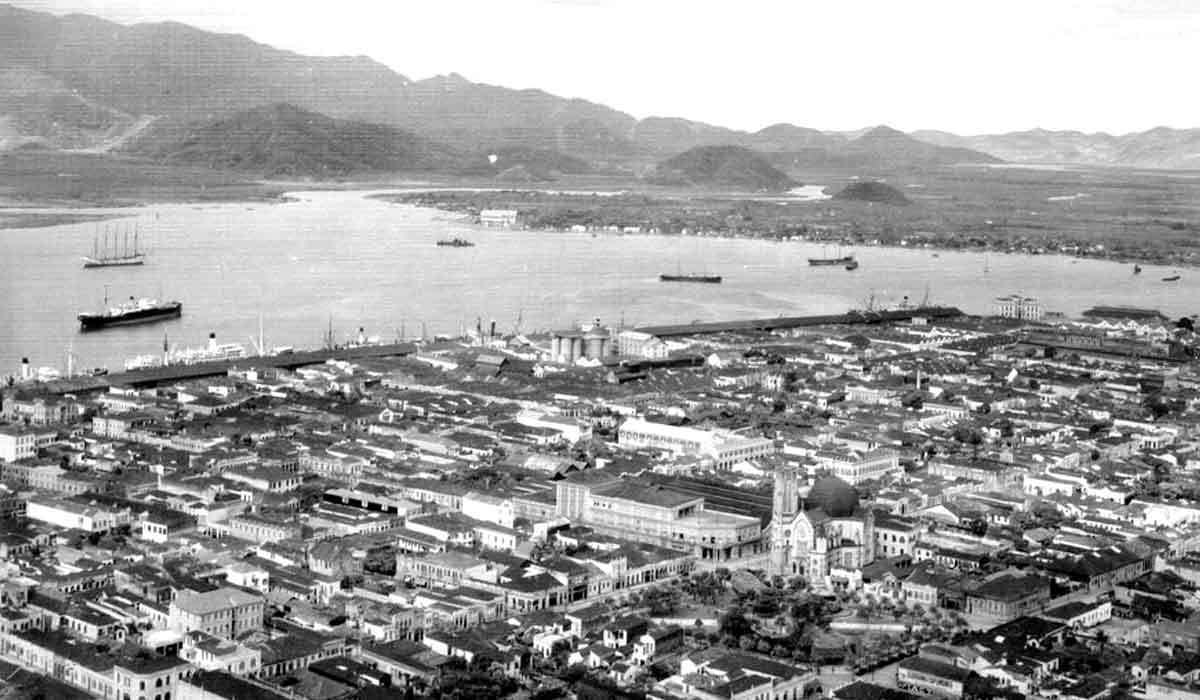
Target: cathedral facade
819	530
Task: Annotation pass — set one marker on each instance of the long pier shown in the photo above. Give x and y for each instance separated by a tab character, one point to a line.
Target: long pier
181	372
786	322
175	373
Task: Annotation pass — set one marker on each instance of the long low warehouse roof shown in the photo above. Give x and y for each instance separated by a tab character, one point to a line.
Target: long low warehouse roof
781	322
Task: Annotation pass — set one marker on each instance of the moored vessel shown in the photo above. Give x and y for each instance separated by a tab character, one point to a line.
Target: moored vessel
705	279
132	312
843	260
111	256
456	243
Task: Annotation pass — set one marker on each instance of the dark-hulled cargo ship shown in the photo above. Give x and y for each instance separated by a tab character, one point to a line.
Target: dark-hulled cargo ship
703	279
842	260
134	311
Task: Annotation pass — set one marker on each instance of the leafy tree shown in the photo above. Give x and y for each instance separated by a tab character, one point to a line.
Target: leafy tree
661	601
734	623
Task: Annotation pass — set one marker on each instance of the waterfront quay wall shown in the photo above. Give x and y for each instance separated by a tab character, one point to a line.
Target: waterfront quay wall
174	373
786	322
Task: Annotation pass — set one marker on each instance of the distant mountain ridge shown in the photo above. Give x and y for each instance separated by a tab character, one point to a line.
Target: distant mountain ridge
722	167
282	140
77	81
179	77
1161	147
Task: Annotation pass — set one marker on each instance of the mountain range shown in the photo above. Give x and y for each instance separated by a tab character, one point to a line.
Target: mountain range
1156	148
282	140
722	166
84	83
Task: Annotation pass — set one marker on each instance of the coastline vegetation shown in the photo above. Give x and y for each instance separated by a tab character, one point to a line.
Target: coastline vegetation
1122	215
1114	214
73	180
18	219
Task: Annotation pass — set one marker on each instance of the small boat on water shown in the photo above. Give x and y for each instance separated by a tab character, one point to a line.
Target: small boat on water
1172	278
1137	269
456	243
852	265
693	277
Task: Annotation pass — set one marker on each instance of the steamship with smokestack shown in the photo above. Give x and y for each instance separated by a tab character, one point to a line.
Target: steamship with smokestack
132	312
212	352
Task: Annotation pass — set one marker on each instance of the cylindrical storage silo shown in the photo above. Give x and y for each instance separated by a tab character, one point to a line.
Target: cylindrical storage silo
593	344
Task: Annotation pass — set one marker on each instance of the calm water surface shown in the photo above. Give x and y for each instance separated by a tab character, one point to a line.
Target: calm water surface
369	263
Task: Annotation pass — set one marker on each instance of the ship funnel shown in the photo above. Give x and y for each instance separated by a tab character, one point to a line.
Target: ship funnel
212	341
26	370
362	336
492	329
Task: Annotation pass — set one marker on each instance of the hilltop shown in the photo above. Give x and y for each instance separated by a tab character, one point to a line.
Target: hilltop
872	191
886	147
283	140
723	167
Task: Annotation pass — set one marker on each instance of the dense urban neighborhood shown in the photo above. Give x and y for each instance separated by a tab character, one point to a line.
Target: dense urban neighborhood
873	508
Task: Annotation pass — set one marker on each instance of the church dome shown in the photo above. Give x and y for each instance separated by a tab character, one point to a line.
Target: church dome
832	495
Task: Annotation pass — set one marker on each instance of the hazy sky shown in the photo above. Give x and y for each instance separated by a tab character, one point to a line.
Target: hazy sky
969	66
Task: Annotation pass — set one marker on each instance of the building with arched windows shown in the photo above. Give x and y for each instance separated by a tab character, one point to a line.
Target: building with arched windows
818	530
1018	306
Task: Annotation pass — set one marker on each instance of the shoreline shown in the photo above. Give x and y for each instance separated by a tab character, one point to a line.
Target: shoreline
469	215
18	220
16	215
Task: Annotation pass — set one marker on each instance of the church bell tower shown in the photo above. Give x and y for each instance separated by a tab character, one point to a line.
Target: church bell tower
785	505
